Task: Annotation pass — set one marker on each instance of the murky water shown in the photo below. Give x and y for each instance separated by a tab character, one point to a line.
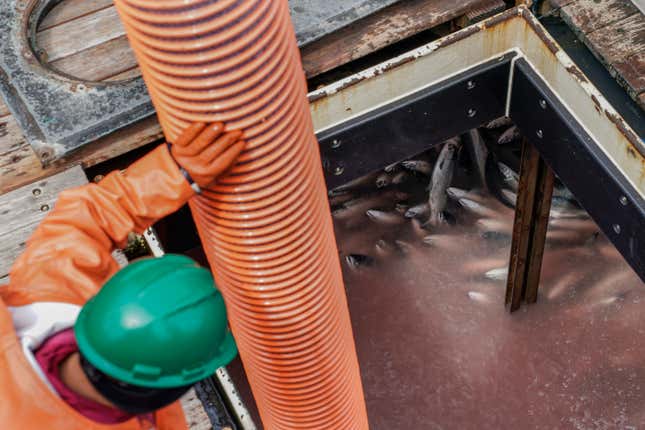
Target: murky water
436	346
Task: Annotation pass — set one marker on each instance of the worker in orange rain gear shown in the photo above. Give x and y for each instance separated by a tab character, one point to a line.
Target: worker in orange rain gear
83	348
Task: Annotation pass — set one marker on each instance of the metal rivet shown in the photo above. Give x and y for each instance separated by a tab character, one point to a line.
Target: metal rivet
44	208
36	192
623	200
470	85
616	228
338	170
335	143
472	112
543	104
539	133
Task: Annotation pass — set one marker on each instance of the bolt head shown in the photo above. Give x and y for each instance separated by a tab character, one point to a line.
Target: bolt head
471	112
539	133
470	85
543	104
616	228
623	200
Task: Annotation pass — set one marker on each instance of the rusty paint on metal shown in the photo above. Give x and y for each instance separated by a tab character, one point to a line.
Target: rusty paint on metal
502	23
636	150
501	17
538	29
596	103
460	35
577	73
312	97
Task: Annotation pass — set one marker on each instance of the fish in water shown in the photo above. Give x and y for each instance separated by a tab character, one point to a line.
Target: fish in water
401	208
495	225
366	181
357	207
510	177
441	179
582	225
479	265
513	133
339	199
383	180
391	168
496	236
565	284
502	121
355	261
418	228
404	247
510	196
400	177
459	193
478	208
478	152
386	218
420	166
385	248
476	296
418	211
497	274
442	241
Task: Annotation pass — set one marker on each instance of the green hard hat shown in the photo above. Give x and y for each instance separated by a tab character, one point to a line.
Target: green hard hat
157	323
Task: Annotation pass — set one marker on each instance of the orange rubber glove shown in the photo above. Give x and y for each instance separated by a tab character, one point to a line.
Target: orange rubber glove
206	152
68	258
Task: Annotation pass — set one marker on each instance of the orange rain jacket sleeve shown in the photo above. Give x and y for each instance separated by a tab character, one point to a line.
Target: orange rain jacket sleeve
68	259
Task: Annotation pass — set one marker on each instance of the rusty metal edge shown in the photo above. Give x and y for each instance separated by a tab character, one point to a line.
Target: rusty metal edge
521	12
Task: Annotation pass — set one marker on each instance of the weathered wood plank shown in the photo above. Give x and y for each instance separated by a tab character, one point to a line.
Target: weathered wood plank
522	226
128	74
560	3
619	40
21	210
196	416
12	246
80	34
72	9
4	110
630	73
544	193
484	10
621	48
587	16
99	62
388	26
20	166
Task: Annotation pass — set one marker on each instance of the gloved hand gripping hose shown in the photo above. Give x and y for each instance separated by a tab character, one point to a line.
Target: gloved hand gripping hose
265	226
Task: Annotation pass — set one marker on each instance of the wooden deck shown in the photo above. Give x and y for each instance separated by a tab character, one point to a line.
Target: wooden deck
614	30
84	38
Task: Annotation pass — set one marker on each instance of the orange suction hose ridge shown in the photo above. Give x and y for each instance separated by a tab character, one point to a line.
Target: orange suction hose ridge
266	226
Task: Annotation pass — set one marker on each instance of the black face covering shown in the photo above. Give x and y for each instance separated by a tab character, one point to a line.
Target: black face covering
132	399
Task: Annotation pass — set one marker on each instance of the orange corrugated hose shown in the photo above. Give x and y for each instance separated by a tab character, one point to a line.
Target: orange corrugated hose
266	226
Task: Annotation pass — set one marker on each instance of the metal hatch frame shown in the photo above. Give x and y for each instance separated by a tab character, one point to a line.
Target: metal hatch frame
506	65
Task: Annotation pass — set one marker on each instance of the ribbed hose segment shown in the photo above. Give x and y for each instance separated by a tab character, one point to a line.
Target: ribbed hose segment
266	226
